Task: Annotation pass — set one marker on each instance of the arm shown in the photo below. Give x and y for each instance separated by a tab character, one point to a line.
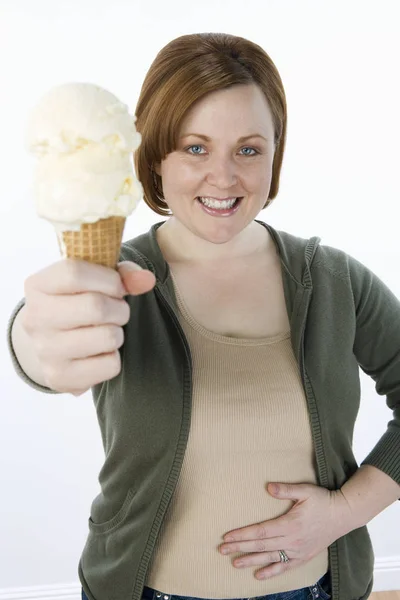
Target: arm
377	350
367	493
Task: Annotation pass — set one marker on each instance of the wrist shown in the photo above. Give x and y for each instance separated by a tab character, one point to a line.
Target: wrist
367	493
344	516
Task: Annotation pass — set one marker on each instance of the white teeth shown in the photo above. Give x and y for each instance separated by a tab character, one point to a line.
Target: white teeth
212	203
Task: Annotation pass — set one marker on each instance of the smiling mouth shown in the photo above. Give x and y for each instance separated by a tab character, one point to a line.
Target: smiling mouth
224	208
219	204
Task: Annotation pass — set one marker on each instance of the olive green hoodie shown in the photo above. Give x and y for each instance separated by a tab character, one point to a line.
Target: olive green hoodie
342	316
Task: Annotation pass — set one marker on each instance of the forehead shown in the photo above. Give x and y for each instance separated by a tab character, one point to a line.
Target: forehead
233	108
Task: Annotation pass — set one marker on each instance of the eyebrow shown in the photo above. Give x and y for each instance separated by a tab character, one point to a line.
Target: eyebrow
241	139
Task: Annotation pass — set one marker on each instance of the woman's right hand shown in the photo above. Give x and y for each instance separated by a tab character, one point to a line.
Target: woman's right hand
74	314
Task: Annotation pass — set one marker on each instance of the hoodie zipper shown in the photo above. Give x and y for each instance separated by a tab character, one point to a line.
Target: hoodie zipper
160	295
333	553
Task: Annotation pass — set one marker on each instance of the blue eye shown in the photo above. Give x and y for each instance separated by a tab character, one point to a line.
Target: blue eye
253	150
190	147
248	148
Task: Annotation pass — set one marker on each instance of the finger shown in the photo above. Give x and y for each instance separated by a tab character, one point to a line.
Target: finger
253	560
273	528
135	279
82	342
265	545
80	310
277	568
96	369
88	372
292	491
70	276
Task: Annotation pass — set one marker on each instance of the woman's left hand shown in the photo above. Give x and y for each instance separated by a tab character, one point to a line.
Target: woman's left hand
317	519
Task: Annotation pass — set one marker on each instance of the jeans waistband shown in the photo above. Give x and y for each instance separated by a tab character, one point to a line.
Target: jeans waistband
321	590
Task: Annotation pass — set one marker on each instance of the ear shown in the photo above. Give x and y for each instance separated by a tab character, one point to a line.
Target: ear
157	168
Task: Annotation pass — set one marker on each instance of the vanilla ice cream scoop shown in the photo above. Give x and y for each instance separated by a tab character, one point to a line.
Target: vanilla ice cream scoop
83	138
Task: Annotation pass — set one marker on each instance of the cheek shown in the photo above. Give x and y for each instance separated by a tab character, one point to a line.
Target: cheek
257	179
183	176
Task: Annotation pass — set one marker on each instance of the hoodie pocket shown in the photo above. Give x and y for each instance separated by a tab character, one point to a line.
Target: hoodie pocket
116	520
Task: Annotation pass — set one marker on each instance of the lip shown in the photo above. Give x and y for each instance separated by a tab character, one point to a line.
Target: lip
220	199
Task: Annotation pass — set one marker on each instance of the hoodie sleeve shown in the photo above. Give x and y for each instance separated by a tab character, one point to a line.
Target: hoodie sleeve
377	350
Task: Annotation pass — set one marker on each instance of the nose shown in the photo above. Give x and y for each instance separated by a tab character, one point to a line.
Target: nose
222	172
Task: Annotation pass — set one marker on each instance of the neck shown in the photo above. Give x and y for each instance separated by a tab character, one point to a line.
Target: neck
179	244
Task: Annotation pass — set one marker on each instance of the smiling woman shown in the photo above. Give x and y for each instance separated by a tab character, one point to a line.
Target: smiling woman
172	88
231	404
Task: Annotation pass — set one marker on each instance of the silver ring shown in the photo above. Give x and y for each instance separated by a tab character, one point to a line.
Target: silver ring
283	556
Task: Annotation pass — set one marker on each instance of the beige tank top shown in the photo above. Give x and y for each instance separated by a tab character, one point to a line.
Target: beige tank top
249	426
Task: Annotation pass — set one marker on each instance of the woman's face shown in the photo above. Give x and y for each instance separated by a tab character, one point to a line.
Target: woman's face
225	151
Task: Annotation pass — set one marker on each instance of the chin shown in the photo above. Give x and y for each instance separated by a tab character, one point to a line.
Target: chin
218	234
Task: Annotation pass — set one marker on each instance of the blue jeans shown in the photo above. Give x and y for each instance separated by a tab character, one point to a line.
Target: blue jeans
321	590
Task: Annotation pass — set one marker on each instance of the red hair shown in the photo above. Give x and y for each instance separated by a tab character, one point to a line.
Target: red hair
185	70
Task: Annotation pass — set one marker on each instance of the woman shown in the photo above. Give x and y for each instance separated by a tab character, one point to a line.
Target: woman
237	365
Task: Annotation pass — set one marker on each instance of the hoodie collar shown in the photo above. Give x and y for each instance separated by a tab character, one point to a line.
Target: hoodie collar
296	253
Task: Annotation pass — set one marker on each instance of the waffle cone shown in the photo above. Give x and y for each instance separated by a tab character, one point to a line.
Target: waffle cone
97	243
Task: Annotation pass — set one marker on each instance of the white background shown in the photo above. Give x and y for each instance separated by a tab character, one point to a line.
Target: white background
339	62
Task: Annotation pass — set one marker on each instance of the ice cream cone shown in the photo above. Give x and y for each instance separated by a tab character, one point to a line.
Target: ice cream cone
85	183
98	242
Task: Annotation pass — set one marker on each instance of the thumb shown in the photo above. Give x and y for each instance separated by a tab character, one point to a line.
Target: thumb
135	279
295	491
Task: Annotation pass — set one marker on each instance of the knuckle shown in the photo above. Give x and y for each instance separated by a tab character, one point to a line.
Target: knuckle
261	532
120	337
97	307
260	546
298	542
114	364
32	322
118	285
125	313
114	337
72	271
53	376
